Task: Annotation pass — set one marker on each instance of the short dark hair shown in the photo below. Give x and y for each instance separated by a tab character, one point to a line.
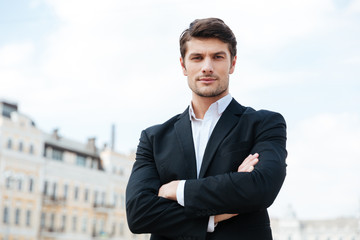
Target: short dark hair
208	28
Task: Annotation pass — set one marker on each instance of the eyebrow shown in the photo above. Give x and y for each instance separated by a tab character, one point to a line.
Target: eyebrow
199	54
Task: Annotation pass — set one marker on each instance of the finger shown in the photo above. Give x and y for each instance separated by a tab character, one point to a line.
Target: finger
248	166
254	162
246	161
250	158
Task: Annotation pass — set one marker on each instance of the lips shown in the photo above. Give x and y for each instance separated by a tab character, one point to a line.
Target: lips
207	79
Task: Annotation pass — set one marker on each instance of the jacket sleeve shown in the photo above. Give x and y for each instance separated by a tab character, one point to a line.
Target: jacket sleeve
241	192
148	213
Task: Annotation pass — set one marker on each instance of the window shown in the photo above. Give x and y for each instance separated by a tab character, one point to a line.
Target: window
31	185
45	187
103	197
74	222
19	184
93	163
28	218
54	191
17	216
63	222
8	182
113	230
95	197
31	149
86	195
42	219
115	200
6	215
102	224
66	187
94	227
76	193
21	146
52	221
57	154
80	160
84	225
9	144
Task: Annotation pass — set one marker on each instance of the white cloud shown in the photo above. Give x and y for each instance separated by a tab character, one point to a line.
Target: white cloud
12	55
323	166
354	7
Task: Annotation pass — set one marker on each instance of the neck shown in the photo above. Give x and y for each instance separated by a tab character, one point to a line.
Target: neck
201	104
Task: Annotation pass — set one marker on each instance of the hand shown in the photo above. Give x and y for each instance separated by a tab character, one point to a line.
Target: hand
168	190
223	217
248	164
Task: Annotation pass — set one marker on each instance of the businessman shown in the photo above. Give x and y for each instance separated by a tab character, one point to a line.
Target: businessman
212	171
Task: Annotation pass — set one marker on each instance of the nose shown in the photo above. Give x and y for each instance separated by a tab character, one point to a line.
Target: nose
207	67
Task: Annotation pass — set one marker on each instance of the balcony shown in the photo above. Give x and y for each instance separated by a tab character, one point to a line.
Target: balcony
53	200
103	208
52	230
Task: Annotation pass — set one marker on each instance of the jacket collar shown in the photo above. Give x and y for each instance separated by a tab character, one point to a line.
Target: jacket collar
226	123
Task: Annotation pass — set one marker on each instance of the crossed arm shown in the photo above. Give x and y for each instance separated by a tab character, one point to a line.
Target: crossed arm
168	190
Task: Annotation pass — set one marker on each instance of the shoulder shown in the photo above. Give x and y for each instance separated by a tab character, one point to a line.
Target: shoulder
167	126
256	115
158	127
263	114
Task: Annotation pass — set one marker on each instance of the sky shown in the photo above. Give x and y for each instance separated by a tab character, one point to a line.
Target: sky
83	65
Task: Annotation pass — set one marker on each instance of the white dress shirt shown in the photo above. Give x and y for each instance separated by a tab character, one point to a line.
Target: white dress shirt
201	131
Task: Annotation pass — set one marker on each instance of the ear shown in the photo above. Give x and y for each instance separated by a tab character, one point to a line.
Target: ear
182	62
233	63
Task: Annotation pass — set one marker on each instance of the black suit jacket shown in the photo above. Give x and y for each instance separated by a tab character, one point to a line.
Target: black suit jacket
166	152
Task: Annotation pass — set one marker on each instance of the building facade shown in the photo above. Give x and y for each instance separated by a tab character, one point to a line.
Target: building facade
289	227
52	187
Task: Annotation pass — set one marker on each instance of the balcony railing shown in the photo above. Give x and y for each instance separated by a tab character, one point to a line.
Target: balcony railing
52	230
103	205
53	200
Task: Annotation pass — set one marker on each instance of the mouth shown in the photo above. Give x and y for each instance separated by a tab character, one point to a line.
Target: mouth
206	79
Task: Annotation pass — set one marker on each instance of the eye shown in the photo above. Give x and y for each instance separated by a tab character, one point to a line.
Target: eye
196	58
219	57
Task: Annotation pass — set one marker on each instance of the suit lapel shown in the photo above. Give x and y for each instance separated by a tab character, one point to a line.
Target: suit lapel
226	123
184	134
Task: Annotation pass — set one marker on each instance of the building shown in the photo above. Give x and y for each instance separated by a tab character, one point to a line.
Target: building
52	187
290	227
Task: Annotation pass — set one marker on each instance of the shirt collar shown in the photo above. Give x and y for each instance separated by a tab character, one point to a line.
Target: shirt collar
222	104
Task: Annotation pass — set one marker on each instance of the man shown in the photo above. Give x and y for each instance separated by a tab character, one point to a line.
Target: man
212	171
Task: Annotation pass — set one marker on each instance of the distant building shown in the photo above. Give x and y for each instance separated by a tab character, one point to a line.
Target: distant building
291	228
54	188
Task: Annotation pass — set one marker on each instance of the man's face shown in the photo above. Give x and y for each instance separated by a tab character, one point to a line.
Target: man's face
207	64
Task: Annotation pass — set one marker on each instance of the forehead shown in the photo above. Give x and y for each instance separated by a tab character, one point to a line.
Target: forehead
206	46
